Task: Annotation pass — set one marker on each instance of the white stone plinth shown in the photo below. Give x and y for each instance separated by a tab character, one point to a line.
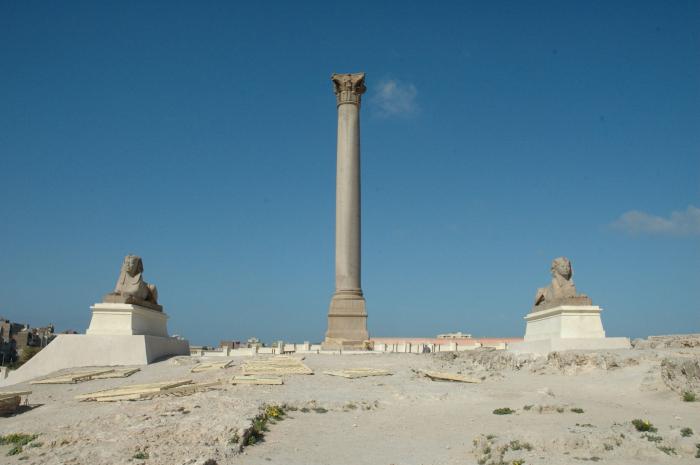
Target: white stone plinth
127	319
567	327
565	322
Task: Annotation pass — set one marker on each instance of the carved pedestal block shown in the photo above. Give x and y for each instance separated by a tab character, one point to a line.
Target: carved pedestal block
566	322
127	319
567	327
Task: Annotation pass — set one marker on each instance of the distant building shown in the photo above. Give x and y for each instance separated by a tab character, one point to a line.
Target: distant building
457	335
9	329
44	335
254	342
14	337
230	344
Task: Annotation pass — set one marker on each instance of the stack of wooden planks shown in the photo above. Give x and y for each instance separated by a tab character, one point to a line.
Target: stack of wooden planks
280	365
440	376
255	379
79	376
11	400
352	373
187	389
207	366
117	373
148	391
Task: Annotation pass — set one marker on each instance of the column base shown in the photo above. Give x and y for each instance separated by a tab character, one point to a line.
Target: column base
347	322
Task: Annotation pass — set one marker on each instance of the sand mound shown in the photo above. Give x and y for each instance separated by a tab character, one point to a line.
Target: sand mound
567	363
679	341
682	374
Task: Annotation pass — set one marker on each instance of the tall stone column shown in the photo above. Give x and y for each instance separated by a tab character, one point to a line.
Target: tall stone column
347	317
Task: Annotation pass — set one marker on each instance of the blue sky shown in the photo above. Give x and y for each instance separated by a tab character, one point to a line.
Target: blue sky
495	137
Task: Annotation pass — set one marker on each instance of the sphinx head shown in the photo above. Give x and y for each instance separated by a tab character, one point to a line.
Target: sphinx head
133	265
561	266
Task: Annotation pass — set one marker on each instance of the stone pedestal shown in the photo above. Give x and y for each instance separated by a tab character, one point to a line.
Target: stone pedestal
567	327
347	323
565	322
127	319
347	317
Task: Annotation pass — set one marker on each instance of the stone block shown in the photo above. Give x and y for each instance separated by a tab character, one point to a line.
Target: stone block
544	346
127	319
566	327
565	322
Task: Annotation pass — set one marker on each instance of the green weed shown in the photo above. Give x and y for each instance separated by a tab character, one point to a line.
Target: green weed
644	425
652	437
18	439
517	445
503	411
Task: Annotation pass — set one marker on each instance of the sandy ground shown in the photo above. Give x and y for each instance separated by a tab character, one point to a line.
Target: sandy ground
400	419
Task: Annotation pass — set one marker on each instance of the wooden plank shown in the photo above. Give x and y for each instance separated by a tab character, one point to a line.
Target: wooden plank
118	398
183	390
72	377
134	389
353	373
89	375
437	375
211	366
56	380
11	394
11	400
118	373
281	365
9	404
188	389
251	379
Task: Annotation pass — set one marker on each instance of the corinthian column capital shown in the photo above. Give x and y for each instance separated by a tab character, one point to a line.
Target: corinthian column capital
348	87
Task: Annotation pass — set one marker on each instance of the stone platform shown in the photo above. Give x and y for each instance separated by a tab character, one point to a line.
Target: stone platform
566	327
89	350
120	334
545	346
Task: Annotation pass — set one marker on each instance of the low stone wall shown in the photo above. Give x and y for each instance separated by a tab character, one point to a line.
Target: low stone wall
403	347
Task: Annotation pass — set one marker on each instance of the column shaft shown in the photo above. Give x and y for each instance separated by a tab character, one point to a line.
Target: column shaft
347	214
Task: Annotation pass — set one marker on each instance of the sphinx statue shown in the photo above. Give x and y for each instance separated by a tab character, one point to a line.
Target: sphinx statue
131	288
562	290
